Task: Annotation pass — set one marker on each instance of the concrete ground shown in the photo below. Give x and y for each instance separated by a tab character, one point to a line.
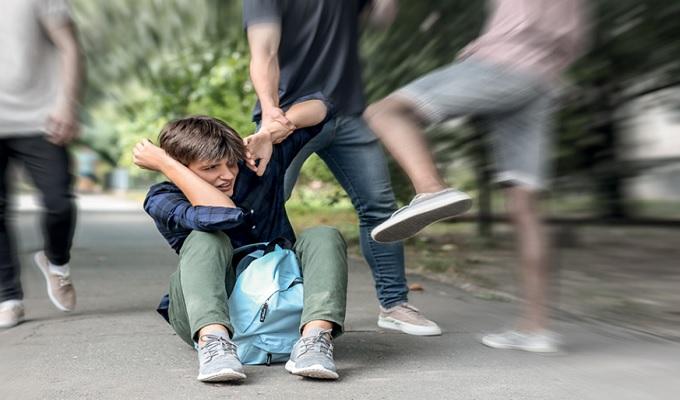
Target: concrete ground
116	347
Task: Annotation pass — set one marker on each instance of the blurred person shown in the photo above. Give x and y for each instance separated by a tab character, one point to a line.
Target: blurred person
506	75
216	203
303	46
87	160
40	79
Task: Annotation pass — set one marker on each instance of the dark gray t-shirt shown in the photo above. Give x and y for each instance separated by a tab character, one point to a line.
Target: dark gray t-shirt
318	50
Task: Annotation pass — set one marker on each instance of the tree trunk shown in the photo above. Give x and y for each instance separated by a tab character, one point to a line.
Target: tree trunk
483	180
611	179
484	220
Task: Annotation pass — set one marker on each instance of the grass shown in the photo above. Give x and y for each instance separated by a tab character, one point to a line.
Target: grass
342	218
442	249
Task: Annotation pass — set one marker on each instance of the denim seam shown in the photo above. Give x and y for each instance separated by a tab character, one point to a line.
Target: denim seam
361	210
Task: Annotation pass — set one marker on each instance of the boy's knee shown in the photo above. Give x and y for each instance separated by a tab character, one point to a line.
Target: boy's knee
324	235
392	105
208	242
388	105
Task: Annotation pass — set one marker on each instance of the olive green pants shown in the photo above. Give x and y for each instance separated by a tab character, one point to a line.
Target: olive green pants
205	277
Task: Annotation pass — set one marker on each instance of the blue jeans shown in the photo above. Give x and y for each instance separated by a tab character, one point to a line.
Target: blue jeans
356	158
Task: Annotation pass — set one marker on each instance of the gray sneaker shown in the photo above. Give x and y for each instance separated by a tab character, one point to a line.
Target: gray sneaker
407	319
11	313
537	342
424	209
312	357
218	361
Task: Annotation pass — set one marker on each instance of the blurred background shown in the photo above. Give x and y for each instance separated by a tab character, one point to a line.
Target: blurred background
614	204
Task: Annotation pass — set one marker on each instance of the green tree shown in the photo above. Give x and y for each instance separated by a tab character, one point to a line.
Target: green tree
635	51
152	61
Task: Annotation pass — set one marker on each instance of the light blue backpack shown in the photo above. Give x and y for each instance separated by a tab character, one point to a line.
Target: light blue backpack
265	305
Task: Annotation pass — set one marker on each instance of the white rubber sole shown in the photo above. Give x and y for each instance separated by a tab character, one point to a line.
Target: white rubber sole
416	330
12	324
534	349
36	260
412	220
314	371
224	375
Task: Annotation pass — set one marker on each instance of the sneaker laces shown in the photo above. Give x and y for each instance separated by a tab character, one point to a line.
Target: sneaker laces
417	197
217	345
320	342
64	280
410	311
407	308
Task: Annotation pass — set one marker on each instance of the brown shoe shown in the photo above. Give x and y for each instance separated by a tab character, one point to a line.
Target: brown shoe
59	287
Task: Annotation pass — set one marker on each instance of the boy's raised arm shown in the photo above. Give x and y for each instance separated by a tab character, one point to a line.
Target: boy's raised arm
304	114
259	145
199	192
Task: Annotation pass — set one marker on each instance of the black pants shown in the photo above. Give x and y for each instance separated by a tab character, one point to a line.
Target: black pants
48	166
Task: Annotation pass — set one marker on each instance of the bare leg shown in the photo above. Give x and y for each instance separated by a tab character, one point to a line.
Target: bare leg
395	123
522	205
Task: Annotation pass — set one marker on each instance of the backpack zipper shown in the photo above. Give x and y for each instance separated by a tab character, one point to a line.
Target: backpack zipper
265	307
263	311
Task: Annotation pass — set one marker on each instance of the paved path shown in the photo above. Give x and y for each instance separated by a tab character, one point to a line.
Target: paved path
115	347
104	202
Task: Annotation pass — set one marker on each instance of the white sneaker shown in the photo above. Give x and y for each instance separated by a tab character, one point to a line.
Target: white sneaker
541	342
11	313
424	209
407	319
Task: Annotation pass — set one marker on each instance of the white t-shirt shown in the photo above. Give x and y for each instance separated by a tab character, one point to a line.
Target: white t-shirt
29	64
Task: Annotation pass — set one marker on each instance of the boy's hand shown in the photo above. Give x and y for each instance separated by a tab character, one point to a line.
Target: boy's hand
259	146
149	156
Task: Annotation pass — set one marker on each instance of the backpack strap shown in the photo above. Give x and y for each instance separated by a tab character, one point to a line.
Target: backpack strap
279	241
243	255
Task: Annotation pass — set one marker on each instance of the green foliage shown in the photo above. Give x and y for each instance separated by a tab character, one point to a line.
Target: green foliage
427	34
153	60
635	50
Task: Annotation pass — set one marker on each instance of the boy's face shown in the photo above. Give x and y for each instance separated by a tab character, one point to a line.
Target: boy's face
220	174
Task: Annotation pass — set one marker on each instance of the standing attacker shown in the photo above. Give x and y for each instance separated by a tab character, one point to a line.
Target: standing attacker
306	46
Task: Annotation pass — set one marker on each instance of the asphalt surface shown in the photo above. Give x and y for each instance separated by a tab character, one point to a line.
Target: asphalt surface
114	346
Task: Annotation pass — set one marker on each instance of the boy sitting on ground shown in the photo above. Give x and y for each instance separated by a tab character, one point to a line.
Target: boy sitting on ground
215	202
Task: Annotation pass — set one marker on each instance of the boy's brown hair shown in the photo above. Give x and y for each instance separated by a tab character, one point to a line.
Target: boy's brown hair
199	138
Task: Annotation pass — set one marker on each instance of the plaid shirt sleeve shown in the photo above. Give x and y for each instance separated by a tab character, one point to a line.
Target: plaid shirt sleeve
174	212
